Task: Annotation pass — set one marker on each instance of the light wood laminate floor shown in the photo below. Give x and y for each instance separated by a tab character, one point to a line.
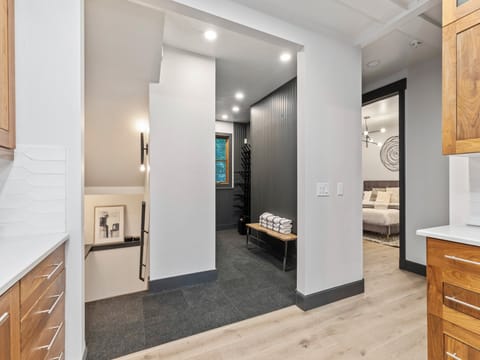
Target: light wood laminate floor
387	322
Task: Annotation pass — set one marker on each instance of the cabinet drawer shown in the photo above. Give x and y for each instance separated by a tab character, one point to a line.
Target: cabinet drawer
41	343
34	284
457	350
44	308
57	351
9	324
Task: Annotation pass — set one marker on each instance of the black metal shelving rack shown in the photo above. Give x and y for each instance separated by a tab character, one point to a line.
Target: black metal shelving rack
243	198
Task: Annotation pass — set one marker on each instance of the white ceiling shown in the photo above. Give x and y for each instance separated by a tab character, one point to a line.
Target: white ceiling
382	113
383	28
243	63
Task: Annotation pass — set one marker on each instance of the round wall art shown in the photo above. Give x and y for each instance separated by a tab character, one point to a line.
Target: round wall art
390	154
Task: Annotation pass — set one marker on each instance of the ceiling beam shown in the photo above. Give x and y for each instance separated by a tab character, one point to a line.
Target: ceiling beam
377	32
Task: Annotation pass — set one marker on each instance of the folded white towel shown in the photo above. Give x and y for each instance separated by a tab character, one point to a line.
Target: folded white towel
284	221
270	218
270	227
285	232
286	227
276	219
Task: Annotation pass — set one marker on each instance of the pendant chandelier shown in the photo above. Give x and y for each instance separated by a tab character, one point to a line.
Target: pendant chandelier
366	138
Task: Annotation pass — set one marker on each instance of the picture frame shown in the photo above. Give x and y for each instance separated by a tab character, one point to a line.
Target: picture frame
109	224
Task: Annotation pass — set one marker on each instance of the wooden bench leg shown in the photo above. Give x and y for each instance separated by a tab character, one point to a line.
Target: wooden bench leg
285	257
248	236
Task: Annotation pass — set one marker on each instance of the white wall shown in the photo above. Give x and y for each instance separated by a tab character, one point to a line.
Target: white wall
49	91
123	47
329	102
133	212
110	273
373	169
427	180
182	160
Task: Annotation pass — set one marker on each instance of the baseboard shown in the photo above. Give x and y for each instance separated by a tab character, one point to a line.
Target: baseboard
312	301
182	281
85	352
226	227
413	267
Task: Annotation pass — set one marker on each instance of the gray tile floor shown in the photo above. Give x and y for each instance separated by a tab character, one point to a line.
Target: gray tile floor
250	283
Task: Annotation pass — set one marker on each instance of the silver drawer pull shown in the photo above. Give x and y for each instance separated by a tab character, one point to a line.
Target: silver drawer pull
4	318
49	346
460	302
49	276
454	258
49	311
453	356
59	357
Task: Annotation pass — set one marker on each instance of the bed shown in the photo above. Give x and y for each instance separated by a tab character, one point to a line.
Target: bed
384	221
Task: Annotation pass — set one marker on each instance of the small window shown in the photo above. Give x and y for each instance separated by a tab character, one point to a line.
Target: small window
223	164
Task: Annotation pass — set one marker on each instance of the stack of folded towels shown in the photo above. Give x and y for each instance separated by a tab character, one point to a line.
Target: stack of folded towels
276	223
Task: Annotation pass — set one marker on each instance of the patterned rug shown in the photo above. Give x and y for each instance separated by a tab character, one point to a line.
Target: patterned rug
394	240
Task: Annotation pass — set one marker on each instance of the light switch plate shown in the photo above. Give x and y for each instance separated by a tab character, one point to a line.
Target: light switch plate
323	189
340	189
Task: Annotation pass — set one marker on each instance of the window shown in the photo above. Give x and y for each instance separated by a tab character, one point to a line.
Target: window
223	164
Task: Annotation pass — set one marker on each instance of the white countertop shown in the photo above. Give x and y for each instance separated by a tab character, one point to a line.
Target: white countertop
463	234
20	254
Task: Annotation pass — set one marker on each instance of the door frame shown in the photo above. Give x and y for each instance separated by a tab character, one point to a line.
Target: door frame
393	89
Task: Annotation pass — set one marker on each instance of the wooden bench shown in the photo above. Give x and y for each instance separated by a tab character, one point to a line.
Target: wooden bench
274	234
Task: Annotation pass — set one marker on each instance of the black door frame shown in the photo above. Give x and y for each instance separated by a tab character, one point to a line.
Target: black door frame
393	89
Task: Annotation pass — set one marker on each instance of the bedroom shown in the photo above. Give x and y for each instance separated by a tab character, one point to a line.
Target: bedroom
381	210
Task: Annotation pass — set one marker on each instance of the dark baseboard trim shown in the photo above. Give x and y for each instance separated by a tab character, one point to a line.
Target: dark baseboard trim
413	267
182	281
308	302
226	227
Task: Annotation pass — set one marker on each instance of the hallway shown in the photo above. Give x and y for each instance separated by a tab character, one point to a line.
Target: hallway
250	283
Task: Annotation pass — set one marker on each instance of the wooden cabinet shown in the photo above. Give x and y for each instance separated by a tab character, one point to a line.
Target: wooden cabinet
461	80
454	10
7	75
32	313
453	275
10	324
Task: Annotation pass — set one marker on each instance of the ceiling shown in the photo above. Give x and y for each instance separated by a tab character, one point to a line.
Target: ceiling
382	113
243	63
383	28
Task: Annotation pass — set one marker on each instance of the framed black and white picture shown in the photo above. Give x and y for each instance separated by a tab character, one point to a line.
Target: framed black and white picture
109	224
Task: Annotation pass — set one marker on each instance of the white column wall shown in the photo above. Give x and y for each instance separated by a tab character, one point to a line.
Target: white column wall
182	163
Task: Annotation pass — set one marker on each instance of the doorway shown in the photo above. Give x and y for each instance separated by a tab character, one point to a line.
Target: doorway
385	216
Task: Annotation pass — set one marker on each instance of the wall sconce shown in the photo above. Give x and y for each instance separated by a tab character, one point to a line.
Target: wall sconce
143	152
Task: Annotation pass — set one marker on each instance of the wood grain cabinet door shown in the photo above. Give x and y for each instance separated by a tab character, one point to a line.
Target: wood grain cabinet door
461	86
7	77
454	10
456	350
10	325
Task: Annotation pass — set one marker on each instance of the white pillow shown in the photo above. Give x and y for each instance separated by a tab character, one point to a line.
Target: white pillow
395	191
367	195
383	199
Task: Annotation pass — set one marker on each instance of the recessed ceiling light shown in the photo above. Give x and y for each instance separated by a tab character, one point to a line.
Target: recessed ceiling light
239	95
285	57
224	117
383	130
236	109
416	43
210	35
373	63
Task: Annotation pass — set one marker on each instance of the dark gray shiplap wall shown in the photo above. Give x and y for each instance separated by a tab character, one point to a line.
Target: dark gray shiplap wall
273	123
226	213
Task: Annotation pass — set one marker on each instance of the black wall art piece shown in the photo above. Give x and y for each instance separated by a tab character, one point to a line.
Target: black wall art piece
390	154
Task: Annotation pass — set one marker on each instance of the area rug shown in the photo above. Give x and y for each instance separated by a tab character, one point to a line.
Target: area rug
393	241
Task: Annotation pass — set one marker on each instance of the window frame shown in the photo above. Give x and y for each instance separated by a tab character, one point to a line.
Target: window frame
229	183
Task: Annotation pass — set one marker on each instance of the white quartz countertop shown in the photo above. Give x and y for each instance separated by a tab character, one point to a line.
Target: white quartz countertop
463	234
20	254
